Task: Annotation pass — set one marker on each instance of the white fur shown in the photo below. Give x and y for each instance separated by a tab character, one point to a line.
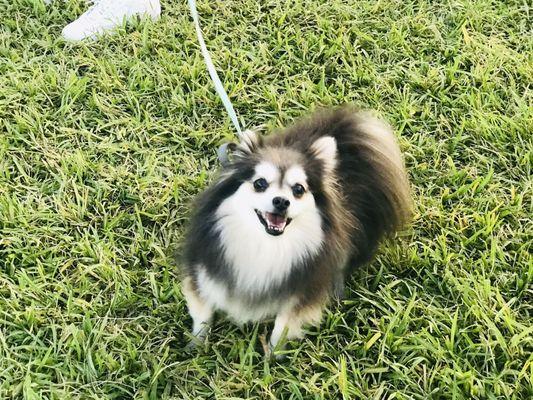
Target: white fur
260	260
216	296
325	149
289	322
266	170
200	311
294	175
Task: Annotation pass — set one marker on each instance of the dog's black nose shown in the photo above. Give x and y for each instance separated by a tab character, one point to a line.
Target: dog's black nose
281	203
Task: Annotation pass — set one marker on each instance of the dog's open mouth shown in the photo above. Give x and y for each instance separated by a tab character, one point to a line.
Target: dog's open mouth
274	224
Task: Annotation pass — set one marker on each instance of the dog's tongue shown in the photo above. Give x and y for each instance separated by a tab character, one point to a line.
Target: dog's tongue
276	220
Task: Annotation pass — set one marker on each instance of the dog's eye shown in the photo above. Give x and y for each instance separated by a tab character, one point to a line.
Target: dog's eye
298	190
260	185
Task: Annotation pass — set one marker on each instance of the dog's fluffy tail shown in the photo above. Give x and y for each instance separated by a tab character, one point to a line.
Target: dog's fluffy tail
369	149
376	185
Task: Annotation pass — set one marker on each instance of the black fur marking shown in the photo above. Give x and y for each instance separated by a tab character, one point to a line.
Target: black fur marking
203	242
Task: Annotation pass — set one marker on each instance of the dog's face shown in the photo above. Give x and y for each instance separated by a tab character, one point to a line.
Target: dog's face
278	196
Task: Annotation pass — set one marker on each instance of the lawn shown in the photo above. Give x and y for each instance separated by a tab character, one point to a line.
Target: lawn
104	145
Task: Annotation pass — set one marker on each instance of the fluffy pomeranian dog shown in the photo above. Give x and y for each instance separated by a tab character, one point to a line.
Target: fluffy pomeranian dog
289	217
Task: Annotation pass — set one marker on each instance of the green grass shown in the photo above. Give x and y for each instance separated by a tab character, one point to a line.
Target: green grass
103	145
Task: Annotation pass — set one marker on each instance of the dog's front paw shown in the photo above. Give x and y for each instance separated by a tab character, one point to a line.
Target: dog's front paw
191	347
276	354
194	345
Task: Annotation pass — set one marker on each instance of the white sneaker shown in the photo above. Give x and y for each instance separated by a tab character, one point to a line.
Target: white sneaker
105	15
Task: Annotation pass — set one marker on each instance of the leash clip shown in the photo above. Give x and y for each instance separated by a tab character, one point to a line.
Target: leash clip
224	151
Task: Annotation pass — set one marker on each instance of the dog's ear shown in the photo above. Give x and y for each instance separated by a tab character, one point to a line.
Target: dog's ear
325	149
250	142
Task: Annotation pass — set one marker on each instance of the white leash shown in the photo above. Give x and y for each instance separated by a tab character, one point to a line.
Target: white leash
222	151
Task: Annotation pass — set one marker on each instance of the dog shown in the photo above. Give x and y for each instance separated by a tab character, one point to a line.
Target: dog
289	217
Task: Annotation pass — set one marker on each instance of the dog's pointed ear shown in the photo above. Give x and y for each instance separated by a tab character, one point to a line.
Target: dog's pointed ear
325	149
250	142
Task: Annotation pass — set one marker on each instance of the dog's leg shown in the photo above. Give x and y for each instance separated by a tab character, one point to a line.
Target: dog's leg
280	333
289	325
201	313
